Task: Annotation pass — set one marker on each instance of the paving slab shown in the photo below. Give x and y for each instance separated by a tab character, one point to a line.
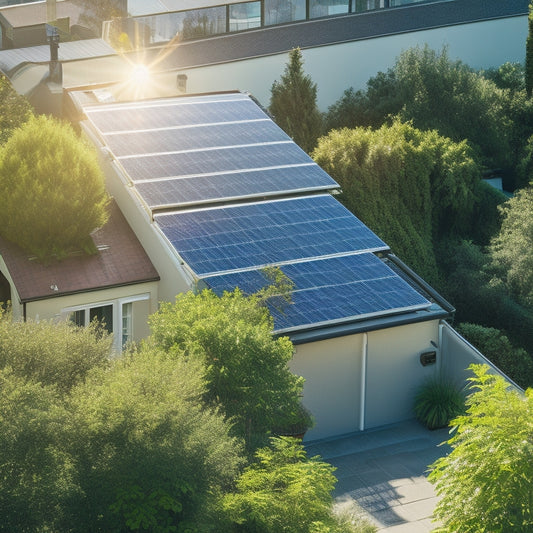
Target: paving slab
383	471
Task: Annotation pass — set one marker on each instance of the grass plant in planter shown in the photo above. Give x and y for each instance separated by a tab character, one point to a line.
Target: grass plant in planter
295	424
437	402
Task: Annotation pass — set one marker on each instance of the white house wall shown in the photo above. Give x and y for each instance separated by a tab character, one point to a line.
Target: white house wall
174	279
337	67
333	371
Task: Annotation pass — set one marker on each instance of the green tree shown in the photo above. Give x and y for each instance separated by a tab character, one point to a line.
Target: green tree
36	474
408	186
486	483
293	103
150	456
52	193
285	491
511	250
246	367
435	93
494	344
529	53
58	355
14	109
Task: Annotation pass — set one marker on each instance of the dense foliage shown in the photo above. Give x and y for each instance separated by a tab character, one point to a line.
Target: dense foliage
486	483
497	347
285	491
52	193
529	54
246	367
130	444
408	186
14	109
293	103
435	93
512	248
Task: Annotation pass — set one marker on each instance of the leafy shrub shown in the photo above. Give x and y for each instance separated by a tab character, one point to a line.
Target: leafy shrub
247	369
52	193
485	482
15	110
284	490
496	346
56	354
437	402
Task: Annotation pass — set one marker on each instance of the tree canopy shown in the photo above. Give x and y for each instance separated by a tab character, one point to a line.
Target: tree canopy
486	483
246	367
512	248
435	93
52	193
408	186
293	103
14	109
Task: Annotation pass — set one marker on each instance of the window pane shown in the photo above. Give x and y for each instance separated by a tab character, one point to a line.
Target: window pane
104	315
78	317
204	22
323	8
367	5
126	323
280	11
244	16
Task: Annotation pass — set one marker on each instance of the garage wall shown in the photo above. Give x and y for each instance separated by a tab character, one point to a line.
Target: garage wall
333	371
394	371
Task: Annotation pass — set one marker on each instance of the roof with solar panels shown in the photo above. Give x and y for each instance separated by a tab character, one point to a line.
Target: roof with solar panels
232	194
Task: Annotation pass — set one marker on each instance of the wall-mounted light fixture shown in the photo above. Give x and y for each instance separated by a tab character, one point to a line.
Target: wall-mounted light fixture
428	358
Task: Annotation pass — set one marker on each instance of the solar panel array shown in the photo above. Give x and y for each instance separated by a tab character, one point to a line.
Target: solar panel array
183	151
263	233
333	290
233	194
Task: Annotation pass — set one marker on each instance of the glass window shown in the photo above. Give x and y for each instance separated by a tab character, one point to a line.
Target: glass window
323	8
367	5
204	22
244	16
126	323
280	11
103	315
78	317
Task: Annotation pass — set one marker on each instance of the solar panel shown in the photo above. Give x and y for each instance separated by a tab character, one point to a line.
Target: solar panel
227	186
214	161
251	235
194	137
332	290
173	112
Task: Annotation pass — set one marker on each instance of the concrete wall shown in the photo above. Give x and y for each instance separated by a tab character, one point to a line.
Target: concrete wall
335	387
459	354
334	68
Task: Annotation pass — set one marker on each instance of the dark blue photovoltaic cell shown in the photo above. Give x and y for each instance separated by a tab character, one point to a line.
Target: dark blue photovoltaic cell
330	290
202	189
251	235
195	138
173	112
216	160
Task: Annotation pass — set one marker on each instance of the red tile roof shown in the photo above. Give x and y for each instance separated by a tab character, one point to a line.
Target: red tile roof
121	261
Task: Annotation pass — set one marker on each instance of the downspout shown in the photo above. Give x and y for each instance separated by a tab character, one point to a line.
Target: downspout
364	360
439	358
24	311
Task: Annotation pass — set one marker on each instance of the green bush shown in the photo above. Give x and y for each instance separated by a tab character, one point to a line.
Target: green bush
52	193
284	490
496	346
246	367
55	354
15	110
485	483
437	402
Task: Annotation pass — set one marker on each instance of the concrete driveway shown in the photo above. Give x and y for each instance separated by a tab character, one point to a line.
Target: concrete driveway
385	472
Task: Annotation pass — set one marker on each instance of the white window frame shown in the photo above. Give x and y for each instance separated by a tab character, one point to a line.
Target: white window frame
117	306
